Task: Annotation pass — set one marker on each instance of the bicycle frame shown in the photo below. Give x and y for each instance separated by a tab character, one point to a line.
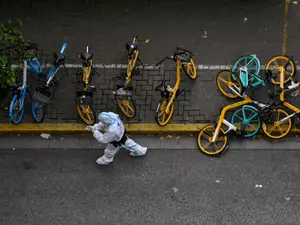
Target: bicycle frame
245	77
175	88
24	75
257	80
86	70
54	68
131	65
24	84
282	96
20	92
222	119
254	79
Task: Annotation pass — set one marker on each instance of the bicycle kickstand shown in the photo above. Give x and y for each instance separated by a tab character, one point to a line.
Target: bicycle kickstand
66	69
138	59
180	91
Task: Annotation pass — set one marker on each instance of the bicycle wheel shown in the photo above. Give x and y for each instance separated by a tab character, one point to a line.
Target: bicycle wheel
86	113
274	64
227	81
38	111
16	109
190	69
35	65
247	118
205	141
272	128
251	62
127	106
162	118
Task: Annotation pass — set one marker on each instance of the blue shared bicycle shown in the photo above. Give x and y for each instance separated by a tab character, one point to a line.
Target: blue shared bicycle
20	92
41	96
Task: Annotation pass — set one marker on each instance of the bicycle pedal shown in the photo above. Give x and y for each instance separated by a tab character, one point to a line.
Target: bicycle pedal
240	133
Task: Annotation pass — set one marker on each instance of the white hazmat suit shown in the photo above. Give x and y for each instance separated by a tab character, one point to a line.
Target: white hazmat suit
110	130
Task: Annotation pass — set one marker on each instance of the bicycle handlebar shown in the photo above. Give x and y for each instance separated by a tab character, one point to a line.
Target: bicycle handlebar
161	61
170	57
63	48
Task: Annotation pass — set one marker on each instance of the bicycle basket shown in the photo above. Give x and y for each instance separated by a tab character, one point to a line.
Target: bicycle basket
84	98
183	55
122	91
41	95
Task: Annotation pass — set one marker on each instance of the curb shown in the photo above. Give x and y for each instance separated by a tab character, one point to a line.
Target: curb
132	128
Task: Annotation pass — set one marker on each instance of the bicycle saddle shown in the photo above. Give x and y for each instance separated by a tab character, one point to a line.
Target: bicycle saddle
130	48
59	58
86	56
14	87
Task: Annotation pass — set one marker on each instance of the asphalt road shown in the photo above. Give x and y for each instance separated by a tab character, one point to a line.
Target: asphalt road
165	187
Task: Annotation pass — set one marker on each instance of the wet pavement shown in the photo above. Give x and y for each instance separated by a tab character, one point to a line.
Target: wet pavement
216	32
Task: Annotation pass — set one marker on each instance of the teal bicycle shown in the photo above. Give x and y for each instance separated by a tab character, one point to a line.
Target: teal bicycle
248	68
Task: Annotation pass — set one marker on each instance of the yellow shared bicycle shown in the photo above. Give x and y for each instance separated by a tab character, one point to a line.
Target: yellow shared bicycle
124	91
224	79
213	139
165	108
84	100
281	120
274	68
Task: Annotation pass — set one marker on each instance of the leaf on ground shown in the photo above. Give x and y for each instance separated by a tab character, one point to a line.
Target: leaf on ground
175	189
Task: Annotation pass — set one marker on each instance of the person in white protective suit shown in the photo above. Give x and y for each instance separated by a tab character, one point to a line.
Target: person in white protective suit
110	130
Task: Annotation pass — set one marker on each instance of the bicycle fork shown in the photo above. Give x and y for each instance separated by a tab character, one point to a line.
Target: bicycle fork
167	110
